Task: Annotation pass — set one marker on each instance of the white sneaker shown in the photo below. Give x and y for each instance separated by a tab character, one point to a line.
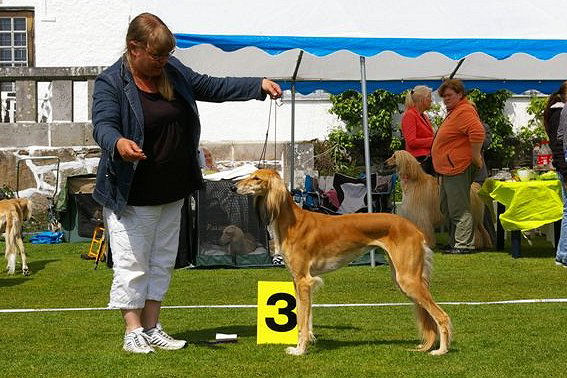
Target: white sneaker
158	338
136	341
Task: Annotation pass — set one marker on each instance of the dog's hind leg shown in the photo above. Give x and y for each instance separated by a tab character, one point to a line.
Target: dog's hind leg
20	244
418	291
10	244
17	242
425	322
303	290
428	329
11	257
412	276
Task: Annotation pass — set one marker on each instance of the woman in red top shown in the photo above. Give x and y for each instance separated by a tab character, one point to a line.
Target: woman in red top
416	127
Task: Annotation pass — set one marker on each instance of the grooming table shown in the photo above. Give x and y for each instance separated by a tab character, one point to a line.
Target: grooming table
524	206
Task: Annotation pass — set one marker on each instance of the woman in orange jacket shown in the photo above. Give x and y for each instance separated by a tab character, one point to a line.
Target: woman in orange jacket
416	127
457	157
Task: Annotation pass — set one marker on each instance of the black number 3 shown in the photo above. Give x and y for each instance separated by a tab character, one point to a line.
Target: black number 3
287	311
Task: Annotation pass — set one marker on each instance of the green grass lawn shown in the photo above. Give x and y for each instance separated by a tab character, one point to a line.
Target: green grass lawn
489	340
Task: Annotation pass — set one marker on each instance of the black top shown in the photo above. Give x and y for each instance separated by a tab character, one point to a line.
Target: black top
555	144
163	176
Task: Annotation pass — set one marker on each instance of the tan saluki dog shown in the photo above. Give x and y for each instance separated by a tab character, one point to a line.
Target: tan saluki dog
13	212
238	242
420	200
314	243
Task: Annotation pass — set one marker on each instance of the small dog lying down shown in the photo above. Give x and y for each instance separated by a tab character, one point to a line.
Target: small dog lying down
13	212
314	243
239	243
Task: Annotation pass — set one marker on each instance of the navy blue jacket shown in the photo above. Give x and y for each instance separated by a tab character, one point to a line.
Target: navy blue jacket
117	112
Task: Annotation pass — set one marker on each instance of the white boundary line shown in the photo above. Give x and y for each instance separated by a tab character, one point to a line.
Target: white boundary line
517	301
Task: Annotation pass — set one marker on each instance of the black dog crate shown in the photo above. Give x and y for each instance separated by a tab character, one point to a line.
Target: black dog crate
78	212
229	231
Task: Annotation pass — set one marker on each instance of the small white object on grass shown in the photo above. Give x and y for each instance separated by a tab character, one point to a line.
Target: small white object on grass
227	338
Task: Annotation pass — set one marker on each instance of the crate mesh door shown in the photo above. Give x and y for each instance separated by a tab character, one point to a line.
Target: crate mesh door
230	233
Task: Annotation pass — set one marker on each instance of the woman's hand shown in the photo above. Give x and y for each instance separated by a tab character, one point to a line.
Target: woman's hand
271	88
477	160
476	150
129	150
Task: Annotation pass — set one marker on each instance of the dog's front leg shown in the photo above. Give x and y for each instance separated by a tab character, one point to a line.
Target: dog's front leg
303	287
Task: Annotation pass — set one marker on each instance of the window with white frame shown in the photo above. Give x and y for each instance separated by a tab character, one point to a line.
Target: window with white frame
13	41
16	49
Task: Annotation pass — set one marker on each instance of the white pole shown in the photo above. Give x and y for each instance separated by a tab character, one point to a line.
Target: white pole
366	143
292	142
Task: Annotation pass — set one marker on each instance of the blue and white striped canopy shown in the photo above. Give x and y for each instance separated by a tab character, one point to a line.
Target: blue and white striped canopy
517	45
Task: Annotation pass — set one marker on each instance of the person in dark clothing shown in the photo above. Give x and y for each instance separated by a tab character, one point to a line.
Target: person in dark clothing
146	122
555	122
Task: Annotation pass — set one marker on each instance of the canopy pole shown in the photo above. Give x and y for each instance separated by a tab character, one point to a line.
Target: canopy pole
292	143
292	147
366	143
456	68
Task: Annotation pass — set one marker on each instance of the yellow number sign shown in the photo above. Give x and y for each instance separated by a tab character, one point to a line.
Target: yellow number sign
277	317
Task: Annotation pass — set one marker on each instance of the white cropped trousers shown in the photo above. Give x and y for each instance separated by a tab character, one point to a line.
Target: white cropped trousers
144	243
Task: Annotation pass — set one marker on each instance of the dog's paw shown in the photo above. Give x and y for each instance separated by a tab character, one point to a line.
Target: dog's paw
438	352
294	351
422	348
312	338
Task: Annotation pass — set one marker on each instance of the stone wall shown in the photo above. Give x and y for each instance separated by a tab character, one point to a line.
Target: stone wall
32	172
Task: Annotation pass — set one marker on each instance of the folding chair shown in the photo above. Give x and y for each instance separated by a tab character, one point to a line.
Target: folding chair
383	192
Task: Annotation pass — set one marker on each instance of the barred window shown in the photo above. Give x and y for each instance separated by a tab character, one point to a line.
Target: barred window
16	41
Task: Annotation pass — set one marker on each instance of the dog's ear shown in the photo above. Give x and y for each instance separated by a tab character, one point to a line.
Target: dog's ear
275	196
260	206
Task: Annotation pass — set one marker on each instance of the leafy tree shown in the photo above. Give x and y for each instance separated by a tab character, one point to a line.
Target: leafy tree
533	133
348	143
490	107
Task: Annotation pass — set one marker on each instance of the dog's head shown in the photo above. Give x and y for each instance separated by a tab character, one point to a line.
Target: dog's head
391	161
400	158
270	192
25	205
259	183
22	206
406	164
231	233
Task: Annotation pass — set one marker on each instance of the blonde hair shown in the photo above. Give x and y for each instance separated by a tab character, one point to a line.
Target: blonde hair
416	95
150	31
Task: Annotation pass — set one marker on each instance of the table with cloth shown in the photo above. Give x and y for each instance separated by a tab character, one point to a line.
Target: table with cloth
524	205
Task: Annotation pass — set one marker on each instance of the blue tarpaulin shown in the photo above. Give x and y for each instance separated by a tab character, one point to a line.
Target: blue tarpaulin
47	237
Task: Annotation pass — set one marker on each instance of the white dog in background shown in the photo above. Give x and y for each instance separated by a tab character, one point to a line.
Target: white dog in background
13	212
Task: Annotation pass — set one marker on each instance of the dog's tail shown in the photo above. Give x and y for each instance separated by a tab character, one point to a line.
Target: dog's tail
13	227
427	324
427	263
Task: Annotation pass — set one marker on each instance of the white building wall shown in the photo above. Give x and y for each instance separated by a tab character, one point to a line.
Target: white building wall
248	121
91	33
